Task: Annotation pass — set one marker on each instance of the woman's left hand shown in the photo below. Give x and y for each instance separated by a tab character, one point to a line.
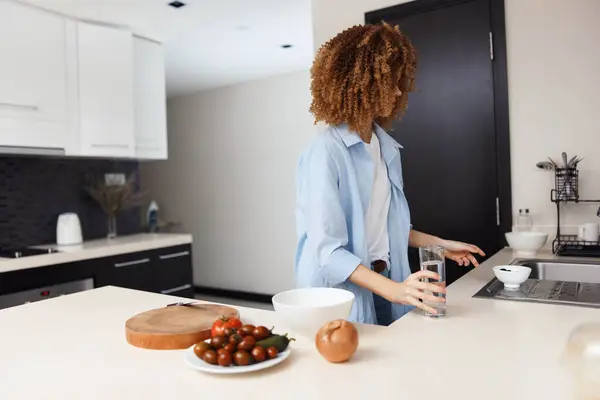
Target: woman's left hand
462	253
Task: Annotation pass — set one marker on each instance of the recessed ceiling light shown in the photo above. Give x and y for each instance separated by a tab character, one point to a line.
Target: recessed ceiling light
176	4
286	46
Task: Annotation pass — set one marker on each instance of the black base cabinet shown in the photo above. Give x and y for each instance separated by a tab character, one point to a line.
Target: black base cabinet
165	270
41	277
131	271
172	271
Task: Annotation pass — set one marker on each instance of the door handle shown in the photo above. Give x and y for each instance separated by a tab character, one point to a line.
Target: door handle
111	146
174	255
129	263
176	289
20	106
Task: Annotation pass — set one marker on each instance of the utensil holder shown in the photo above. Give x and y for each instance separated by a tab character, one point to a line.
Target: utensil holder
566	184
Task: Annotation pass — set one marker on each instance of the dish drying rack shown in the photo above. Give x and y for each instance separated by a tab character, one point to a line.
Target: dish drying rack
566	190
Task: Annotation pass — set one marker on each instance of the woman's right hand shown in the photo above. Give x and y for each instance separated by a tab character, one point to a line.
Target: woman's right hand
412	289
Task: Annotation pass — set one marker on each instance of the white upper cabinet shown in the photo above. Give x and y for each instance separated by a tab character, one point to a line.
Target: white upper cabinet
106	110
77	88
33	79
149	99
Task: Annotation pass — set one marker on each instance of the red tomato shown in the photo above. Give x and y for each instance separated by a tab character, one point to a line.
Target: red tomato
222	323
234	323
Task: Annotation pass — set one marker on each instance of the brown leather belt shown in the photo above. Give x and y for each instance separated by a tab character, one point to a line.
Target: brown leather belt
379	266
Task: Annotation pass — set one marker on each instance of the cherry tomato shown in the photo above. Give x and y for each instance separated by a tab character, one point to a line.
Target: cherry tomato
200	348
221	350
247	343
242	357
234	323
259	354
235	338
224	359
261	332
217	328
210	357
228	331
231	347
218	341
246	330
222	323
272	352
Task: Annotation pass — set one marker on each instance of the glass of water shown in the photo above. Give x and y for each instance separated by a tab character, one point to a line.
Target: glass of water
432	259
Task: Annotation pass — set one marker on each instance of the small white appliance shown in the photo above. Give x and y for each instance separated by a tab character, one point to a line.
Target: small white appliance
589	232
68	230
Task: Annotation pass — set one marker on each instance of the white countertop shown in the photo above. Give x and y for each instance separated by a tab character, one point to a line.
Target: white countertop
74	347
96	249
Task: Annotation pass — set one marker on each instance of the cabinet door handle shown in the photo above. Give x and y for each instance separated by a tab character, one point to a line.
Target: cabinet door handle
174	255
38	151
111	146
20	106
136	262
176	289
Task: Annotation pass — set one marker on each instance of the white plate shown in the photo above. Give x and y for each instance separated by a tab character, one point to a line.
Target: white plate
193	361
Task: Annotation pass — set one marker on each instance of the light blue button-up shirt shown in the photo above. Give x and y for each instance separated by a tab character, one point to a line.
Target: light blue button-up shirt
334	183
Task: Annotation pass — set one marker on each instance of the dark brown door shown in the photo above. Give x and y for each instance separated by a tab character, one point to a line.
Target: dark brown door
448	133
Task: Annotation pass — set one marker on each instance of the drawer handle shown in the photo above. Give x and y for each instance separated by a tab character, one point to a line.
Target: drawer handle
21	106
174	255
176	289
136	262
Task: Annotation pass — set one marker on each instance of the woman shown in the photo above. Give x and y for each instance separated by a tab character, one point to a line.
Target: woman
353	220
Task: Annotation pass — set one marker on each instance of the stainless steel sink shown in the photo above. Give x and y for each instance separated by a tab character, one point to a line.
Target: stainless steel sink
568	271
552	281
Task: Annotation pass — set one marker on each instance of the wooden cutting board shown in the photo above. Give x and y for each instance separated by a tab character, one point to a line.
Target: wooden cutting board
175	327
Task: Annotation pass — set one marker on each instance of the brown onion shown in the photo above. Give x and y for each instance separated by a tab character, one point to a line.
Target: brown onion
337	341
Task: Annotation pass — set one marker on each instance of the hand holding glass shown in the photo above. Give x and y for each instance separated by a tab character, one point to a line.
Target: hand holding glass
415	288
432	259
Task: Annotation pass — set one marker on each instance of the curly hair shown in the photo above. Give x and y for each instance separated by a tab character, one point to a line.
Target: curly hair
363	75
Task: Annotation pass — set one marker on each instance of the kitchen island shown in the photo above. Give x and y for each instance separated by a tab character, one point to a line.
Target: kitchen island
74	347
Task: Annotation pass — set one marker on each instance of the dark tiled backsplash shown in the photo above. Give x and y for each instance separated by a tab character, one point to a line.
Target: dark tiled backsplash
34	191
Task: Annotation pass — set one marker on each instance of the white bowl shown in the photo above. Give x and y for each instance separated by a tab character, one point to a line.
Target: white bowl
526	244
512	275
306	310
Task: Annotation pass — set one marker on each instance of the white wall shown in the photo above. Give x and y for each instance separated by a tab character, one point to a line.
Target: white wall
230	179
554	81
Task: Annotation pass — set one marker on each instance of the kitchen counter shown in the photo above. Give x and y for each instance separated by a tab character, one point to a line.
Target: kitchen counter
96	249
74	347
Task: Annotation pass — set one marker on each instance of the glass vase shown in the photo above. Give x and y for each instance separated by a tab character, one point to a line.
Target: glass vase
112	227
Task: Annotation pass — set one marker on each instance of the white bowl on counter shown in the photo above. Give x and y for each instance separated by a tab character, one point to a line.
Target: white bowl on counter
306	310
512	275
526	244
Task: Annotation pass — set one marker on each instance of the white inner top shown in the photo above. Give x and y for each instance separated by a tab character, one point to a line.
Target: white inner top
379	204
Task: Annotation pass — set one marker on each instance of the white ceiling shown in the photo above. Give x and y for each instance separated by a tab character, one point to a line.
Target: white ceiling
210	43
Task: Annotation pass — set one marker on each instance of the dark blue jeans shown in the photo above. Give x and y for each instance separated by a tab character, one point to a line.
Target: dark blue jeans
383	308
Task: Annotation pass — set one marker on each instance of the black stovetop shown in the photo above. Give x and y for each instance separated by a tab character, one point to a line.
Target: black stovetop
24	252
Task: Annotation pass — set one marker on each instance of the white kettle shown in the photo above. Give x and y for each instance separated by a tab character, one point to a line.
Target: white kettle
68	230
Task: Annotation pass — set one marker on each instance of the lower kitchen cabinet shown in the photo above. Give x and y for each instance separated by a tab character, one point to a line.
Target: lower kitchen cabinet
35	284
173	271
131	271
166	270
